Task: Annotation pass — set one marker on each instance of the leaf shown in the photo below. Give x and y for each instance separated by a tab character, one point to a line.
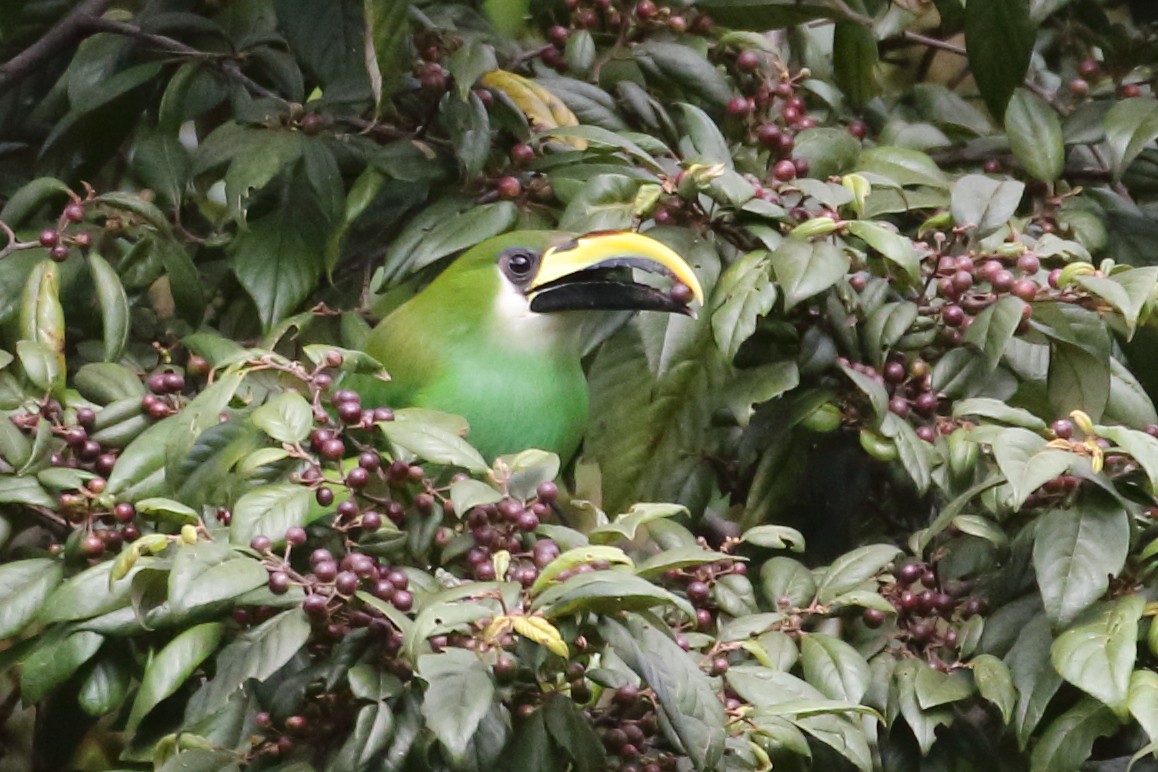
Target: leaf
257	653
834	667
1035	135
934	688
605	202
1033	676
1028	462
458	694
278	260
851	569
1066	743
573	732
785	578
1131	125
742	296
687	68
167	510
854	60
469	127
806	268
542	632
526	470
41	314
1142	700
777	537
764	15
996	410
446	227
1098	656
269	510
995	683
895	248
432	443
54	661
1076	551
287	417
387	33
999	38
985	204
207	573
114	304
903	690
1077	380
467	494
1127	291
87	594
625	526
685	696
24	586
172	666
677	557
605	592
105	685
1141	446
468	63
267	154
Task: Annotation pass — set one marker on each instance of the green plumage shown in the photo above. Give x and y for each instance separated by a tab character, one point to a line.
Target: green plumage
467	344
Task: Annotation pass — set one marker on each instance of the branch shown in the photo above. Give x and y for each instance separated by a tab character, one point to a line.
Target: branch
56	40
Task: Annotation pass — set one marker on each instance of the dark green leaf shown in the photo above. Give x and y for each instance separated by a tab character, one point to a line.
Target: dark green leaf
24	586
807	268
984	204
1067	741
388	30
1035	134
1098	655
459	692
172	666
54	661
207	573
999	38
852	568
854	59
268	511
114	304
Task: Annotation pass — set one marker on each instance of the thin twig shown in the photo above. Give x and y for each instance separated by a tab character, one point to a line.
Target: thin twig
56	40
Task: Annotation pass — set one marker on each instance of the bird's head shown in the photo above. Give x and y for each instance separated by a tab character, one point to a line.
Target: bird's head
545	272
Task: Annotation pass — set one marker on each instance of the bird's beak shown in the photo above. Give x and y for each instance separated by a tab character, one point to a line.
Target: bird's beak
582	275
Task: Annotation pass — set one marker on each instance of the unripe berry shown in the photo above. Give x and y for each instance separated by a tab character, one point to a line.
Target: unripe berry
509	188
748	61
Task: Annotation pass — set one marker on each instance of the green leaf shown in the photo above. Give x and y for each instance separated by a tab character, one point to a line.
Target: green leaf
88	594
287	417
374	728
467	494
25	490
278	260
777	537
685	695
783	577
431	443
31	196
763	15
854	61
468	123
1066	743
687	68
268	153
162	163
995	683
41	314
983	204
114	305
605	202
999	38
903	690
54	661
387	34
24	586
1033	676
1098	656
895	248
526	470
573	732
996	410
1035	134
851	569
1141	446
1131	125
1127	291
1078	380
448	226
467	64
1028	462
742	296
605	592
934	688
834	667
105	382
829	151
105	685
807	268
167	510
257	653
269	510
1142	700
172	666
625	526
207	573
459	692
1076	551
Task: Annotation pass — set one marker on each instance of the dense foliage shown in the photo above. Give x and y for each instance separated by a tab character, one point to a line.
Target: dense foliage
908	450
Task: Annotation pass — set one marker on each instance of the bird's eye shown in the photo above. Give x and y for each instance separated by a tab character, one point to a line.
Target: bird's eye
518	264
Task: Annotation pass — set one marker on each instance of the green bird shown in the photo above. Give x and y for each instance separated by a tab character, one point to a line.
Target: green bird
495	338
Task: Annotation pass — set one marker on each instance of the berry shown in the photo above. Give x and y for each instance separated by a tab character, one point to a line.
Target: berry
909	573
645	10
1029	263
1130	90
858	129
547	492
295	536
333	449
558	35
324	496
403	600
992	166
952	315
894	372
124	512
279	583
92	545
1062	428
522	153
784	170
74	212
371	521
82	240
346	582
626	695
528	521
1079	87
508	188
59	253
49	237
433	79
748	61
769	135
311	124
698	592
173	382
1089	68
260	543
802	167
899	406
873	617
719	666
740	107
326	570
314	605
1026	289
1002	281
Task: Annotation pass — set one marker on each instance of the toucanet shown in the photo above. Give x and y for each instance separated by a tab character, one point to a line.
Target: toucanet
495	337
